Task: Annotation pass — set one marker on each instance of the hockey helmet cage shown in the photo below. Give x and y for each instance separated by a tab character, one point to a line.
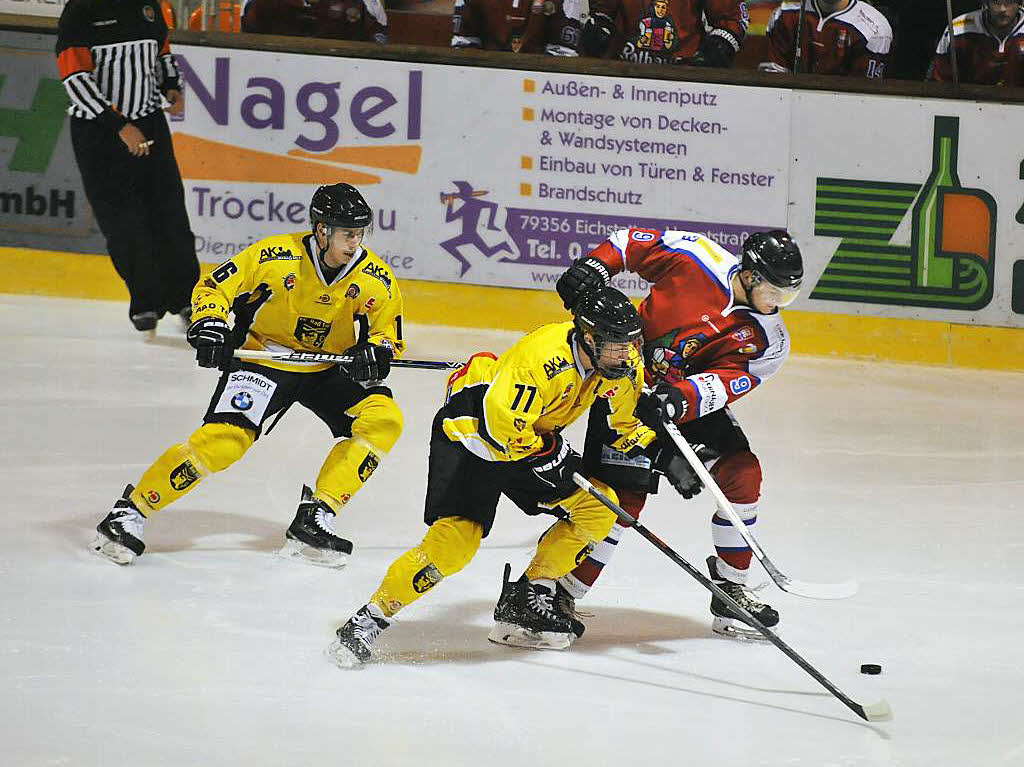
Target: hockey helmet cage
611	320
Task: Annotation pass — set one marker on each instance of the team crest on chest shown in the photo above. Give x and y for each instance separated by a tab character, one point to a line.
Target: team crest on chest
289	281
672	350
353	291
311	331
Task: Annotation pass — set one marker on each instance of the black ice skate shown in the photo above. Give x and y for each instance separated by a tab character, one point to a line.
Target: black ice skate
352	647
726	622
525	616
119	535
311	537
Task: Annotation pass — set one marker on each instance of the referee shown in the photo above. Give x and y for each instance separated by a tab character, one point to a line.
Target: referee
114	58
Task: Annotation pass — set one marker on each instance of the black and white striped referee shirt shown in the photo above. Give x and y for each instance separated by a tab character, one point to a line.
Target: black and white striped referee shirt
114	57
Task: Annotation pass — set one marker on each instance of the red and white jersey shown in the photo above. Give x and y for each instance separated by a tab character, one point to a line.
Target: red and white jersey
982	57
853	41
696	337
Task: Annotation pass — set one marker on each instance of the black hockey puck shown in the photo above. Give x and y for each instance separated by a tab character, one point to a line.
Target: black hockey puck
870	668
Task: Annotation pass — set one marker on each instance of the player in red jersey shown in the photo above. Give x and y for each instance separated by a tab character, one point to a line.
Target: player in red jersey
712	334
989	46
840	37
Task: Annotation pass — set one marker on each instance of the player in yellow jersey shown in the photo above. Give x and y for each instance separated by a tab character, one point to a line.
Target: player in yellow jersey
499	432
321	291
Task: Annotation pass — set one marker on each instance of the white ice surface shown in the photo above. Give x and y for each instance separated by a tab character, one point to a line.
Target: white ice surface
208	650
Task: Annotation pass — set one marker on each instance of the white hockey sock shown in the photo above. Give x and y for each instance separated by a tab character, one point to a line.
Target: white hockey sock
575	582
727	538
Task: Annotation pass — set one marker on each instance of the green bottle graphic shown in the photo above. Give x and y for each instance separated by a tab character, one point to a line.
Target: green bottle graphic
932	269
950	260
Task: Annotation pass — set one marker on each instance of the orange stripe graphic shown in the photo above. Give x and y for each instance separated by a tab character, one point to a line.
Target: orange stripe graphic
203	159
404	159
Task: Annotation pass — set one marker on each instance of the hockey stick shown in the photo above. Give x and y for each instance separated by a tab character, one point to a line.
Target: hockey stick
783	581
798	54
952	47
875	712
339	359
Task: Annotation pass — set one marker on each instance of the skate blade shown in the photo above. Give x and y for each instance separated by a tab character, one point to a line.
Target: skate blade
341	656
112	550
148	336
298	551
734	629
516	636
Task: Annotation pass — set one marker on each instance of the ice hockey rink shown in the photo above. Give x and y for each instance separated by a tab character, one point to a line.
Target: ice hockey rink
208	650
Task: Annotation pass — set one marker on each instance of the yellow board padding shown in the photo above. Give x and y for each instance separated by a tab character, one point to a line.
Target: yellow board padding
846	336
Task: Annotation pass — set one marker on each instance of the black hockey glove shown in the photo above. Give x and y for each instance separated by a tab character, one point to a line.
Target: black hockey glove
596	34
678	472
584	275
370	362
715	51
662	403
553	466
213	341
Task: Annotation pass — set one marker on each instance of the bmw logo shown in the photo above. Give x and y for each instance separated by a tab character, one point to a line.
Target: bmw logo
242	401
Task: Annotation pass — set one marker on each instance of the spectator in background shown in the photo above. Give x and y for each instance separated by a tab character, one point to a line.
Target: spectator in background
520	26
698	32
839	37
116	64
336	19
989	45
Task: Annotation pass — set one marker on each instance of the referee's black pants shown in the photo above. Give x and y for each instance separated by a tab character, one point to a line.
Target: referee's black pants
139	204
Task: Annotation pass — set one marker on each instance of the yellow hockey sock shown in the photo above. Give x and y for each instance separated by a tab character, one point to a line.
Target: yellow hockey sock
569	541
211	448
351	462
448	546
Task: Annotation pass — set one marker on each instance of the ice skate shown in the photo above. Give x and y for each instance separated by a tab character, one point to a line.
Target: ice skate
119	535
145	323
311	537
525	616
726	623
352	647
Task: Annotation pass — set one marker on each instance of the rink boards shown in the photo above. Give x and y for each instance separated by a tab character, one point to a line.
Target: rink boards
924	342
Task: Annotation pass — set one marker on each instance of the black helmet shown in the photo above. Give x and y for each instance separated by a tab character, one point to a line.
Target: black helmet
339	205
774	255
609	317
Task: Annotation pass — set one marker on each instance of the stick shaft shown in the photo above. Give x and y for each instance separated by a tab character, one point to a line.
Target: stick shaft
706	582
338	359
798	53
783	581
952	47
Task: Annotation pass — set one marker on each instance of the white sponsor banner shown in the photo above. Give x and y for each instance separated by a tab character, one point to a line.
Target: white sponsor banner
477	175
910	207
33	7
